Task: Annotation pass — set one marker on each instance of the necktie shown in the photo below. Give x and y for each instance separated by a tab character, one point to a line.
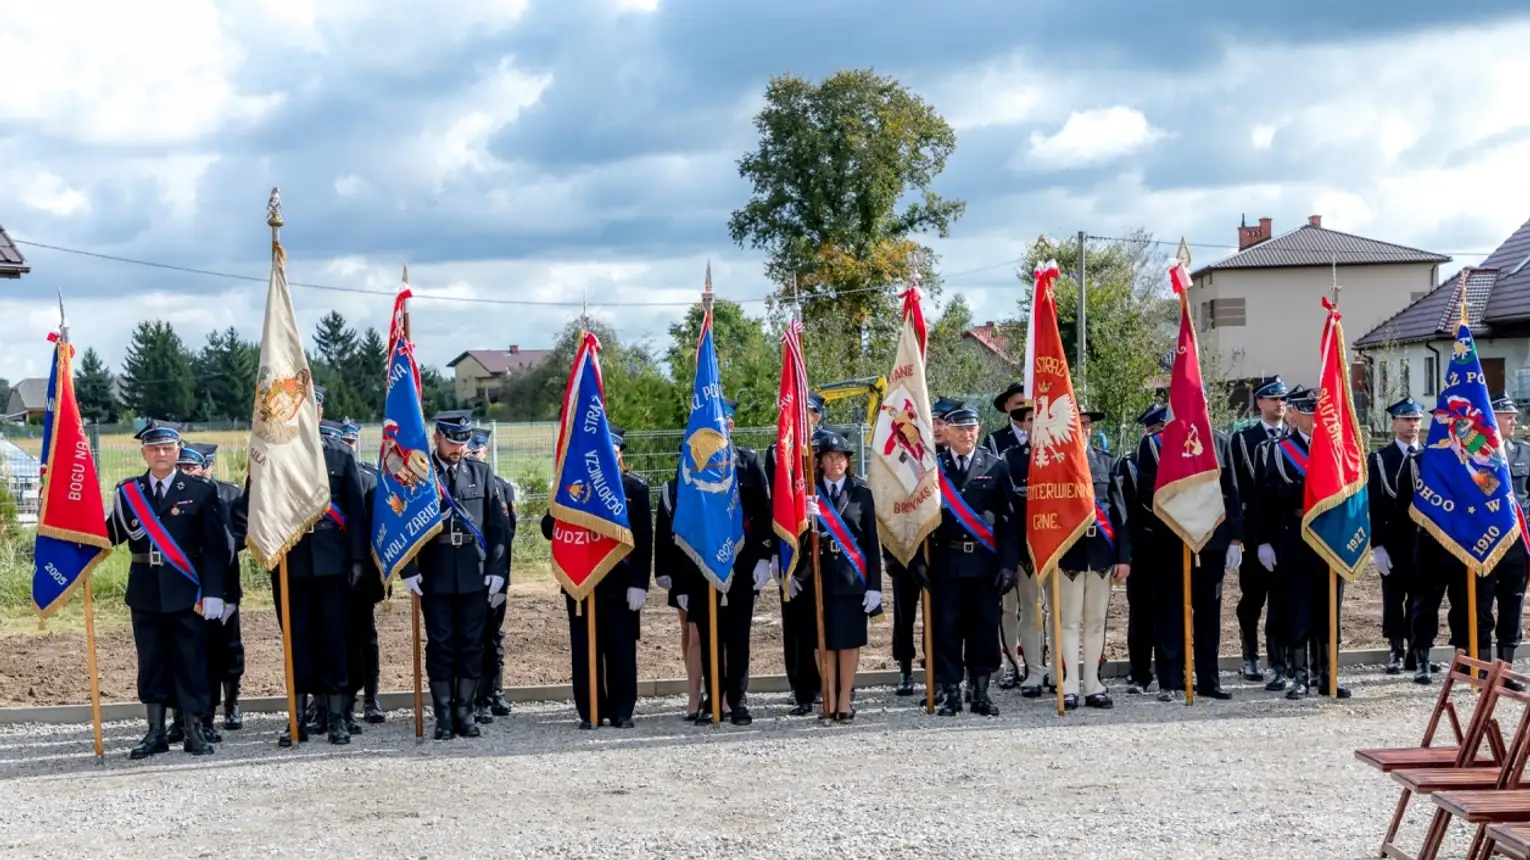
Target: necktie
1269	432
1412	450
961	465
834	495
159	493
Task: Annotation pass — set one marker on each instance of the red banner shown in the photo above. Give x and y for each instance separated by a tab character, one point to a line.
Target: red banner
1336	522
1060	505
788	486
1188	497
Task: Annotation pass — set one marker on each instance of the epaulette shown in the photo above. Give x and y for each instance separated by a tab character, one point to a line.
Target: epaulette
636	476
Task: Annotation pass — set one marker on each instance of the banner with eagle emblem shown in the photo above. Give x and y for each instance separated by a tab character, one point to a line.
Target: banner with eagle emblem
709	519
903	473
1060	504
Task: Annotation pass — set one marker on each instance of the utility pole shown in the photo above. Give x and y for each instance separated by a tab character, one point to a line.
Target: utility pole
1082	303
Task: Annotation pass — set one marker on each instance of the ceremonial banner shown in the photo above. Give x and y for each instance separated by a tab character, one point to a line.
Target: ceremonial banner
903	473
1465	498
289	484
591	531
788	486
1188	496
1060	504
709	519
71	522
1337	522
406	510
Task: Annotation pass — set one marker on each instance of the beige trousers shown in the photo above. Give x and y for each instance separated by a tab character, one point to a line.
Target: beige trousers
1085	601
1032	631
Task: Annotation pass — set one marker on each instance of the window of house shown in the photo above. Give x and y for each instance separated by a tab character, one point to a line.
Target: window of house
1203	319
1227	312
1431	371
1383	389
1404	379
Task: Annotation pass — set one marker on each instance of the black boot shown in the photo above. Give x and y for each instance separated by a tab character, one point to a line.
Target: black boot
481	713
154	741
1323	652
1396	656
1296	661
1421	673
981	704
177	732
316	717
233	718
441	703
905	678
1251	668
462	709
1009	678
196	743
372	710
351	726
334	719
951	701
1279	672
1506	654
210	730
499	706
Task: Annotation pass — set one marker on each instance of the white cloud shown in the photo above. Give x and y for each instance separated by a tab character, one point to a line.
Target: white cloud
1094	136
646	7
48	192
455	137
349	185
1263	135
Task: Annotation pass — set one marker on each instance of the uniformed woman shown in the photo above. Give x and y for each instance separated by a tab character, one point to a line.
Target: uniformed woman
850	559
673	572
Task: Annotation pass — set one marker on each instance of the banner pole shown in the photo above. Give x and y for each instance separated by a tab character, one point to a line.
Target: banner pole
1057	666
1333	632
589	623
419	686
1471	612
1189	637
712	644
929	637
292	710
95	675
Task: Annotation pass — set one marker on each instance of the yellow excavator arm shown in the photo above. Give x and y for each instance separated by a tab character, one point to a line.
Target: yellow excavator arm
873	388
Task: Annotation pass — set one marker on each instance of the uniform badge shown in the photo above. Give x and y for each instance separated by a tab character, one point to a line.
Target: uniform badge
175	510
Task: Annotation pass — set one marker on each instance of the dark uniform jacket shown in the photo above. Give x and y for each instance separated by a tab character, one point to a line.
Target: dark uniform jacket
1519	474
1245	455
634	570
229	494
858	511
330	549
668	558
1001	440
988	491
1389	494
759	531
1232	527
1139	520
371	585
1101	550
1276	511
193	515
452	562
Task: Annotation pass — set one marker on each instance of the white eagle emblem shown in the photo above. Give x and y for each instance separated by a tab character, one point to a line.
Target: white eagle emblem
1055	423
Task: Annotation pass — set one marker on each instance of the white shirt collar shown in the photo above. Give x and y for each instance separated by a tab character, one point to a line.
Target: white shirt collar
1401	444
837	486
1272	428
1306	440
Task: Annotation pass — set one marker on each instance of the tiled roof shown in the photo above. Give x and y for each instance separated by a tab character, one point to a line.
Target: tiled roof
12	264
498	361
1310	245
1497	292
991	337
28	395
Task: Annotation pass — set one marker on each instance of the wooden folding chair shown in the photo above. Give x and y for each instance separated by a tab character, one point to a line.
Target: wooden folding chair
1413	762
1508	840
1507	802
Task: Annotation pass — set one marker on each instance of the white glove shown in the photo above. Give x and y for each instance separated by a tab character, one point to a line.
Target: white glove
664	582
775	565
636	597
413	584
496	600
1267	557
873	600
1234	556
212	608
793	587
1382	559
685	602
495	583
761	574
812	506
228	611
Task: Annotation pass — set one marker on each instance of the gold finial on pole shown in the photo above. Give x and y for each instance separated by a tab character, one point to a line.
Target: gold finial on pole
63	323
1335	279
1466	318
274	213
406	273
1183	254
706	293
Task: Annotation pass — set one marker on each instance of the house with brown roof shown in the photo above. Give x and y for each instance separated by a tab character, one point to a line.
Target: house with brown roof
29	399
12	264
994	344
480	375
1260	311
1409	350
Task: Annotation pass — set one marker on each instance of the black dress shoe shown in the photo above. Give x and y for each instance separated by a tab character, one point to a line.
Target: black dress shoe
195	743
481	714
210	730
499	706
845	716
154	742
584	726
692	716
233	718
740	716
801	710
1070	702
623	723
462	709
1217	693
352	726
177	732
372	712
1098	700
1031	691
1298	691
1251	670
1009	678
1277	681
951	704
905	678
1171	695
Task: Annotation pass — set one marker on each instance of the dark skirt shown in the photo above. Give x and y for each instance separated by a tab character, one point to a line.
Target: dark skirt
844	623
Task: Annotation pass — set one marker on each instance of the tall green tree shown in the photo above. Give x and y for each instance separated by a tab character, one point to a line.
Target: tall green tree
225	376
367	380
957	365
638	396
93	389
157	379
835	164
5	391
436	392
335	365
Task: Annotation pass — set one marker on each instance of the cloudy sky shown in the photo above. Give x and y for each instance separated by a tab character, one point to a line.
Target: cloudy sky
532	151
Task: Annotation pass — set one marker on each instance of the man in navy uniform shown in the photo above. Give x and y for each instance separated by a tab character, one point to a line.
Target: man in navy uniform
1253	579
1140	638
619	599
176	529
490	701
972	564
363	664
1505	585
225	642
1017	430
457	574
799	620
1394	535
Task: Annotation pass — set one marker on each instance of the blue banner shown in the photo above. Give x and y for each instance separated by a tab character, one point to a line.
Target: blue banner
1464	497
406	510
709	520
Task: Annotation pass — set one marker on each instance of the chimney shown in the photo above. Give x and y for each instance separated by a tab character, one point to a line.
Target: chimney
515	349
1251	236
1315	220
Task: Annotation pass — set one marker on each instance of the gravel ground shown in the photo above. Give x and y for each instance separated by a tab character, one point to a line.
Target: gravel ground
1144	780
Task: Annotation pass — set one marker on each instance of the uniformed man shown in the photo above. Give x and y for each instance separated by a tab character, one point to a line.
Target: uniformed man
1140	639
1394	535
799	620
1024	612
1018	429
1277	516
1507	580
491	701
619	599
225	642
751	573
363	665
975	559
176	529
1436	573
1253	579
457	573
938	411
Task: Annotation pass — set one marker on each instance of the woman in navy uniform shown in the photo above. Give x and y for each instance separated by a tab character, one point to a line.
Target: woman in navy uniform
850	560
677	574
168	519
457	573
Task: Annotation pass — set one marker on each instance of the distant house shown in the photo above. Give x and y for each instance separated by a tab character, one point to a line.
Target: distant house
29	399
12	264
1408	351
481	374
993	344
1260	310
